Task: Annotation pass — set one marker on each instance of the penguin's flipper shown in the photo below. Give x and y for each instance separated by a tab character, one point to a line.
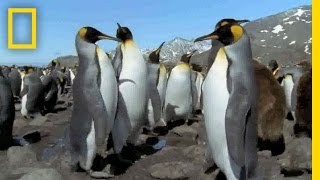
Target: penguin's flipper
235	127
156	103
194	90
121	127
117	62
96	109
25	90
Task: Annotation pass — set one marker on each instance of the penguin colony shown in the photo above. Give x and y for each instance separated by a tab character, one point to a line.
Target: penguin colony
243	102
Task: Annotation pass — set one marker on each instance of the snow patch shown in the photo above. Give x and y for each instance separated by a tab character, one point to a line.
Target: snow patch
292	42
264	31
306	49
277	29
262	40
285	37
290	22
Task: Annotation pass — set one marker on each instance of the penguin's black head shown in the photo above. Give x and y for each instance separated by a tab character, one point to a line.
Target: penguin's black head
155	55
124	33
186	57
227	34
230	21
273	65
28	69
92	35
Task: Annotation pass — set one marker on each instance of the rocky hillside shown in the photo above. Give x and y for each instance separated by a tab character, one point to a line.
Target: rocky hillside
285	36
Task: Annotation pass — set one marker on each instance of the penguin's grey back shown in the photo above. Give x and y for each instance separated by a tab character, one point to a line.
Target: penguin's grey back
35	91
15	82
242	89
7	113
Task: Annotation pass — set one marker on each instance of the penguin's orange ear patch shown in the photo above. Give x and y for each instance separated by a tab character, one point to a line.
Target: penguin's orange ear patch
237	32
224	23
83	32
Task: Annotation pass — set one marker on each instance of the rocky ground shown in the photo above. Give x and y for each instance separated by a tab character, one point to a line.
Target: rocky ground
183	153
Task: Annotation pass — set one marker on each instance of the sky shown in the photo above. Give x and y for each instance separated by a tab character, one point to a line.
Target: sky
151	22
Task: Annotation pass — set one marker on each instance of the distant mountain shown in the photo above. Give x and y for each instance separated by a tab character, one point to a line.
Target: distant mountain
285	37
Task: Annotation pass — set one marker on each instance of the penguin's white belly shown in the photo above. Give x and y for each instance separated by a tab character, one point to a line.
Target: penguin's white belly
288	87
72	76
24	110
162	87
109	92
22	76
199	82
133	84
215	102
91	147
179	93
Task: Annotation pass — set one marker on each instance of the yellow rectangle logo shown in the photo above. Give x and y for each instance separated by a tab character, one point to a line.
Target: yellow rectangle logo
33	12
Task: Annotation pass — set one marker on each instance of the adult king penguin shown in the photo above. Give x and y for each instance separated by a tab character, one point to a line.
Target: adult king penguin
15	82
178	101
229	103
271	105
7	113
131	69
95	97
32	94
154	96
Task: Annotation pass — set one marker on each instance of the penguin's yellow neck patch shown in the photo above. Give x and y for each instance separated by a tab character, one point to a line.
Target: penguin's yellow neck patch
82	32
237	32
288	76
183	66
129	42
30	70
162	69
221	54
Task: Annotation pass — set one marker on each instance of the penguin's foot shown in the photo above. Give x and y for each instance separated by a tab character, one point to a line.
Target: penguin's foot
124	161
100	174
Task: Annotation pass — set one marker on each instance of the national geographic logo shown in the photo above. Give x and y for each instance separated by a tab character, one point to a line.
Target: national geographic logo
33	12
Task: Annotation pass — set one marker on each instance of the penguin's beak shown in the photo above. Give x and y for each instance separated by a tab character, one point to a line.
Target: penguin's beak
119	26
104	36
211	36
189	55
242	21
159	48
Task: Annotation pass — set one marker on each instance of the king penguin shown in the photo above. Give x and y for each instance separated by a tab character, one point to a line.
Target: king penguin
289	78
131	70
197	80
271	105
32	94
7	113
229	103
15	82
178	101
154	97
95	96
